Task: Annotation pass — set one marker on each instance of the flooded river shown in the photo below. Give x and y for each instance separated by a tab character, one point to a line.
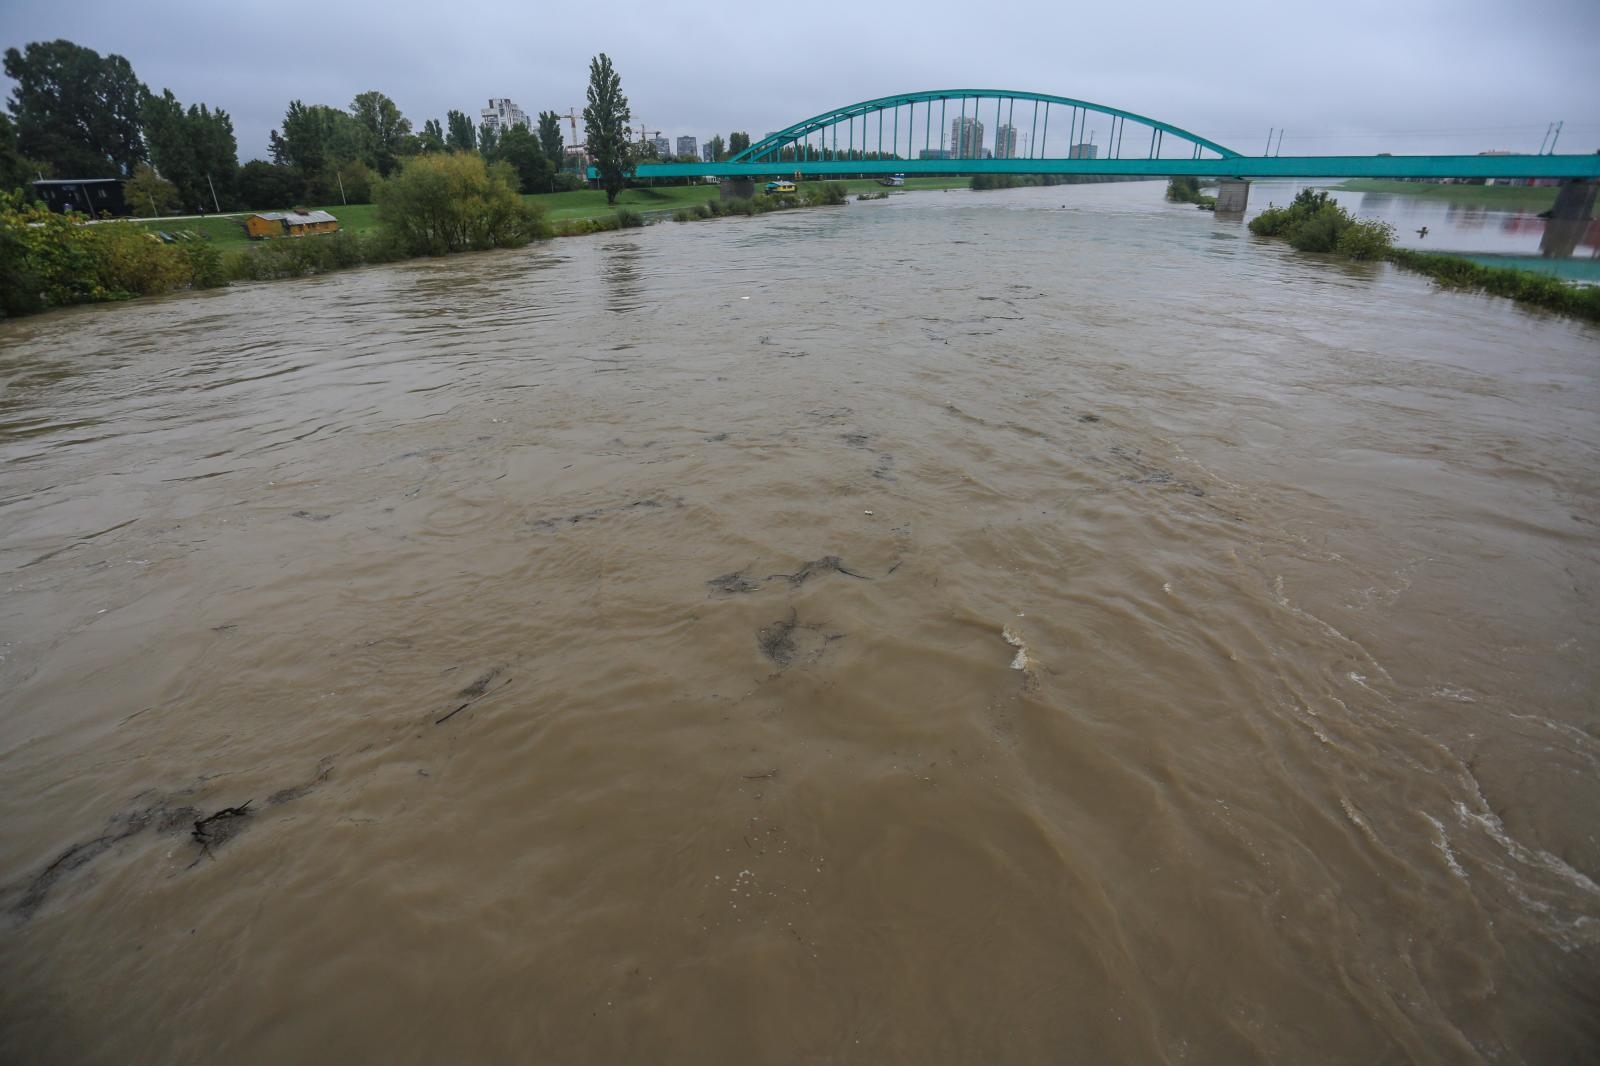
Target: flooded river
1036	626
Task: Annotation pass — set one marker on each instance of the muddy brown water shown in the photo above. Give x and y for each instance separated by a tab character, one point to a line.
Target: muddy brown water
484	583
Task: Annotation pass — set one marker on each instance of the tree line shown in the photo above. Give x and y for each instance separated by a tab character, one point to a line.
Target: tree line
77	114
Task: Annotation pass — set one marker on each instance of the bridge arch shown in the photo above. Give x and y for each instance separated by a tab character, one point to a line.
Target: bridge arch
795	142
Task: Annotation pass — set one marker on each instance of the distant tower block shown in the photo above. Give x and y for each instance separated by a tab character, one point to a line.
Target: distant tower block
1233	196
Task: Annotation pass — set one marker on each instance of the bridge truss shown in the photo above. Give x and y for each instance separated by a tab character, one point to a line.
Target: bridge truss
935	132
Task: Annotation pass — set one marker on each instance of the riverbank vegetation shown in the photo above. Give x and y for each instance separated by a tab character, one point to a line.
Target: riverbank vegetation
1314	223
809	194
433	205
1187	191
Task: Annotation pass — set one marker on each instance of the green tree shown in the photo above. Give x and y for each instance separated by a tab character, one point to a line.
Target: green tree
16	170
147	194
316	141
550	139
463	135
521	148
450	203
737	142
605	126
262	185
719	149
488	142
384	130
431	139
193	149
76	110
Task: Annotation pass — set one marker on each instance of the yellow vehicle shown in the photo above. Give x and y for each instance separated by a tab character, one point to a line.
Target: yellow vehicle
780	186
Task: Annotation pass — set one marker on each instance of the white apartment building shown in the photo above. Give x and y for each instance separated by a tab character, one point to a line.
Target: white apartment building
502	114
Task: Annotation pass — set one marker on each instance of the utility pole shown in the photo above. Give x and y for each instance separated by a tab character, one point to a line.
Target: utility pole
342	199
213	189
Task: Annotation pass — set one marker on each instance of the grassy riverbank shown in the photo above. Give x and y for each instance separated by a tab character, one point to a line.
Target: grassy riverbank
51	260
361	220
1506	197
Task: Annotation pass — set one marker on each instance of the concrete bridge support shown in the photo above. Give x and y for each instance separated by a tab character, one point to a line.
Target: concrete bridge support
1569	221
1233	196
738	188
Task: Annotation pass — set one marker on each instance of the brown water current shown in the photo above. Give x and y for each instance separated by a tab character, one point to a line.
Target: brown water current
1040	626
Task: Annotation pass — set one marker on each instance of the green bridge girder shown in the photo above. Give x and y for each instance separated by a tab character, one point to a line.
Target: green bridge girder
1226	163
775	142
1311	166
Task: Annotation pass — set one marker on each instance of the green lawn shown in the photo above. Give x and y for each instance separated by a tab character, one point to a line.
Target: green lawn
227	231
1511	197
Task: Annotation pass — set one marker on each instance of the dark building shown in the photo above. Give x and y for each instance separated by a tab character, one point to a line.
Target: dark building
92	196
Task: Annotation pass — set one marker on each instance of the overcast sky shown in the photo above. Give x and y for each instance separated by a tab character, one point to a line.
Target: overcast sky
1360	77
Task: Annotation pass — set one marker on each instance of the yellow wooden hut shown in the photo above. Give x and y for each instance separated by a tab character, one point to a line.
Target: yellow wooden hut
290	224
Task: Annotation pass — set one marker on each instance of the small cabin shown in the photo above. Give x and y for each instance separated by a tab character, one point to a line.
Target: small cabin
290	224
93	196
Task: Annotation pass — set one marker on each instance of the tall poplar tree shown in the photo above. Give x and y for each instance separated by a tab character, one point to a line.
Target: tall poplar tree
605	126
550	138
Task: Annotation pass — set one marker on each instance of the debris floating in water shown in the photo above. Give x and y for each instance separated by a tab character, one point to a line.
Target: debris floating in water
1022	661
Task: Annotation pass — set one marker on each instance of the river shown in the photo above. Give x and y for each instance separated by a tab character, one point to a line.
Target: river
1046	625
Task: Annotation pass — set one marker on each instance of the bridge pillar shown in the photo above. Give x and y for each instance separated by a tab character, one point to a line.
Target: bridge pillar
1233	196
1569	220
738	188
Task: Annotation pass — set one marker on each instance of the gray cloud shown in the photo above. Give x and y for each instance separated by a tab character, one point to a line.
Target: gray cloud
1360	76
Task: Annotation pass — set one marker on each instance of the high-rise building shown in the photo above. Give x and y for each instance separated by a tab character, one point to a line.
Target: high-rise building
502	114
1005	142
1084	151
707	153
688	146
966	138
663	147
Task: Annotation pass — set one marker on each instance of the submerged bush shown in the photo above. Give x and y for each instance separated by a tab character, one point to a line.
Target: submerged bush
1314	223
1365	239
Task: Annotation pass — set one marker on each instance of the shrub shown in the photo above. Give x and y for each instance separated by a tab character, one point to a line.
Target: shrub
824	194
567	181
629	219
443	203
294	257
204	264
1319	231
1365	239
1183	190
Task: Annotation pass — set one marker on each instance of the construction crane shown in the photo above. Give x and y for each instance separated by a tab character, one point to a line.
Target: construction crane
572	117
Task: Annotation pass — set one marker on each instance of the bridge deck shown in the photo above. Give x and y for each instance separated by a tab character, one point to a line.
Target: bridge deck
1313	166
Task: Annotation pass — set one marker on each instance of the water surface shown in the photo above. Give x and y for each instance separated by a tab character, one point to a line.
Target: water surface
484	581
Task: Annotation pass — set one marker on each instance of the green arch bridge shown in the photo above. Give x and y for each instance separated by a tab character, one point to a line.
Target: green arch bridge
942	131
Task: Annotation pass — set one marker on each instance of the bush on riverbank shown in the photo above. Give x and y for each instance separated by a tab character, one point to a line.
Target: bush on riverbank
811	194
304	256
1187	191
1314	223
51	260
442	203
